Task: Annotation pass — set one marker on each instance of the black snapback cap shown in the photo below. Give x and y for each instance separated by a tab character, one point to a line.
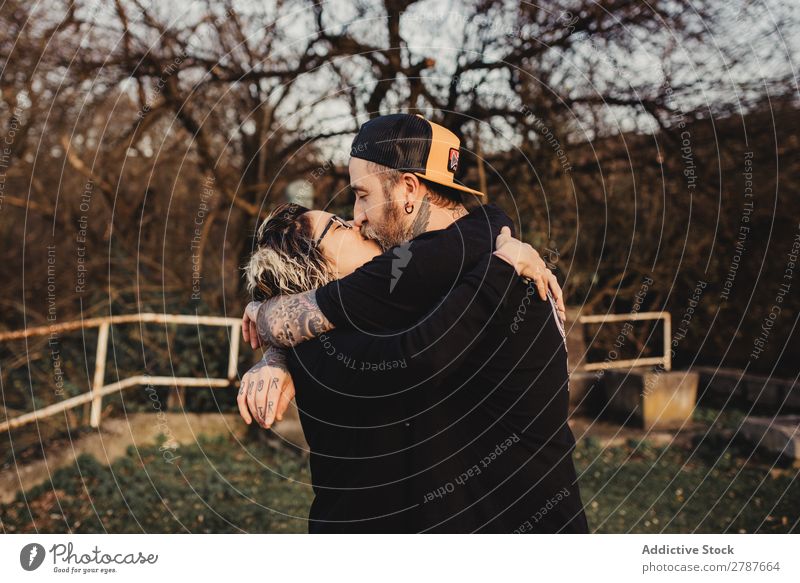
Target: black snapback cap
411	143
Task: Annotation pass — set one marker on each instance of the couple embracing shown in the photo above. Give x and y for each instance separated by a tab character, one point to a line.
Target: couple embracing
423	345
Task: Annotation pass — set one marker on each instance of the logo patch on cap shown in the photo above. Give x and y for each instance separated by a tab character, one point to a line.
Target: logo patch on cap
452	160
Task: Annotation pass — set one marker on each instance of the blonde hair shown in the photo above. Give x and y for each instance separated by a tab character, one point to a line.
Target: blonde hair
286	260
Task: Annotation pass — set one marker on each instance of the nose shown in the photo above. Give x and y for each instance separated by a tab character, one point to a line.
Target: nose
359	219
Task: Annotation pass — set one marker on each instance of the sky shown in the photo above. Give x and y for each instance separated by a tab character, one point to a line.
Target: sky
763	36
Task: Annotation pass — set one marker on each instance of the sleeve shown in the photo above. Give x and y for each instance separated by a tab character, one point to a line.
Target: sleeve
401	285
373	365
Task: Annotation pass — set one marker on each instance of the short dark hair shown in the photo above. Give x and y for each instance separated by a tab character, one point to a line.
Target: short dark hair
441	195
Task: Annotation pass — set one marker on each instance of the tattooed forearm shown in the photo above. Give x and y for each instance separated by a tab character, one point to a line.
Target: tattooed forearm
274	357
287	321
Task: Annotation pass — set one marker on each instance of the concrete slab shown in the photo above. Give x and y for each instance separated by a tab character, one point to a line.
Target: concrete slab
115	435
779	435
733	387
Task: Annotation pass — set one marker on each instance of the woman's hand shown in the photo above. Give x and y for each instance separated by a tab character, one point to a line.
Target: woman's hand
266	390
527	262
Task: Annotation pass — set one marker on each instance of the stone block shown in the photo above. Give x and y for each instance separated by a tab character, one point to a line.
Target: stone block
651	399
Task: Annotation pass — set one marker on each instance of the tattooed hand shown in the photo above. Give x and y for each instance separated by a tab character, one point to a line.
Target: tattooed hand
284	321
266	389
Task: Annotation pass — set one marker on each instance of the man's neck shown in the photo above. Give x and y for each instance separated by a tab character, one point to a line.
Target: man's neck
442	217
432	217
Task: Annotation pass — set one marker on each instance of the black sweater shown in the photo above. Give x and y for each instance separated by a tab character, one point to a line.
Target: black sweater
447	419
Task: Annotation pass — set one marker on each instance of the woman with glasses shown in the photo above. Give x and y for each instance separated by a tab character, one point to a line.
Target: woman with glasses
353	389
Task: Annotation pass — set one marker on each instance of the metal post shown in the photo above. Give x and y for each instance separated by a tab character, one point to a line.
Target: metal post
667	341
99	375
233	355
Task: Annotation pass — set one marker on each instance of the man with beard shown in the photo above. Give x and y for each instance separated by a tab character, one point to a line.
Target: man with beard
487	448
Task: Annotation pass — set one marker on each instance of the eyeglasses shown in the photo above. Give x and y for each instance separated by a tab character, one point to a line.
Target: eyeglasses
334	219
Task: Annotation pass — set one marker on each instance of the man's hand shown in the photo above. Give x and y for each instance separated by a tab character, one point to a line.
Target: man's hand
266	389
528	263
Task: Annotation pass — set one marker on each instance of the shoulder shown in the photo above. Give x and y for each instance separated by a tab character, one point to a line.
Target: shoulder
488	218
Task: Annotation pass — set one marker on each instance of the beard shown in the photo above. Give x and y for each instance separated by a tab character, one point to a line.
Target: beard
390	232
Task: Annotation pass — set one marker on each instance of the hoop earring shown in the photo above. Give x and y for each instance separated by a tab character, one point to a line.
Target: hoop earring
408	210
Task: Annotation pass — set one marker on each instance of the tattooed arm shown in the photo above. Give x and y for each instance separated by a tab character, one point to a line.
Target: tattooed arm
288	320
284	321
266	389
279	323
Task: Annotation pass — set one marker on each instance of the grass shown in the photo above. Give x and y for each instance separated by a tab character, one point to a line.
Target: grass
214	486
713	485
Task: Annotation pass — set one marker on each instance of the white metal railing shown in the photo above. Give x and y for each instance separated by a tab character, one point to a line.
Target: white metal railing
99	389
665	360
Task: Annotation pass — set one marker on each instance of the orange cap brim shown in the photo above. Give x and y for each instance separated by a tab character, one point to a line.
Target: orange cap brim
449	184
